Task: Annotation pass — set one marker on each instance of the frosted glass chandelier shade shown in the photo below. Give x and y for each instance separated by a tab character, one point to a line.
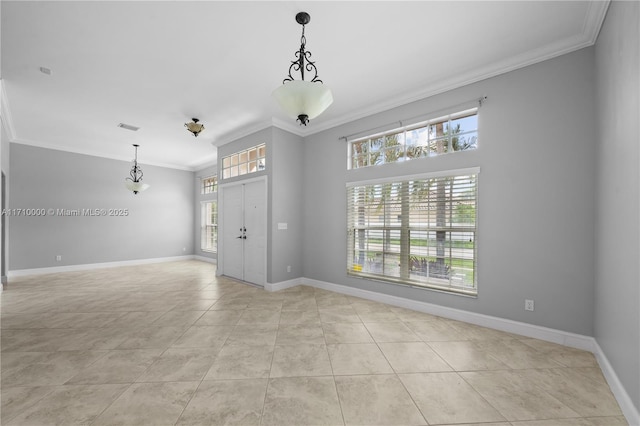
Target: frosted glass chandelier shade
136	186
303	98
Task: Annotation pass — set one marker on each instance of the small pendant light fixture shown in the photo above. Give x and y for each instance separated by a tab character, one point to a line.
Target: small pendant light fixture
134	183
300	99
194	127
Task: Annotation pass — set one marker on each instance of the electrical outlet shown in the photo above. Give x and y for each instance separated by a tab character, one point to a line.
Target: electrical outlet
288	268
58	258
528	305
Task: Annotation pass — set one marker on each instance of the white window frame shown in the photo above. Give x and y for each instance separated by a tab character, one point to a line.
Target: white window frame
392	146
380	239
207	188
209	231
243	162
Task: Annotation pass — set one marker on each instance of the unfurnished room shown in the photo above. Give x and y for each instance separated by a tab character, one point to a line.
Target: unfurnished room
308	213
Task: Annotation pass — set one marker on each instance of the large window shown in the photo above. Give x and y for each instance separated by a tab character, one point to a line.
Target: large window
452	133
244	162
209	240
418	231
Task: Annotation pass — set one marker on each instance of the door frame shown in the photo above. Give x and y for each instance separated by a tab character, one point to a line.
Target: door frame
221	188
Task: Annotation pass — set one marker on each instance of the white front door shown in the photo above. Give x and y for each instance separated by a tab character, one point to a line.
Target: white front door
244	231
255	226
232	226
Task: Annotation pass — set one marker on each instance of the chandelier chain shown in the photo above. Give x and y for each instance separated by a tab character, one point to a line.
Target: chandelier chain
136	172
299	64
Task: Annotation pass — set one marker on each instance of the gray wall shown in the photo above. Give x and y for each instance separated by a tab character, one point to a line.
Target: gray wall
617	287
199	199
536	194
159	224
286	205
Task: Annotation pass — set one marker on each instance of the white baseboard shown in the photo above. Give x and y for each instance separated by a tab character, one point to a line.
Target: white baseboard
283	284
206	259
88	266
534	331
573	340
629	410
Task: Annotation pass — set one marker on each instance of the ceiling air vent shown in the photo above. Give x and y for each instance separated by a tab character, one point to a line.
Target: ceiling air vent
128	127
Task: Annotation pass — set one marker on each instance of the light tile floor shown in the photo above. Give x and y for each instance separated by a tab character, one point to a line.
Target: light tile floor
171	344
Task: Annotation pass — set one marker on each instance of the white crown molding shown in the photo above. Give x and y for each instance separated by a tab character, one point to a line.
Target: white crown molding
208	161
594	18
291	127
596	13
593	22
245	131
92	153
205	165
7	121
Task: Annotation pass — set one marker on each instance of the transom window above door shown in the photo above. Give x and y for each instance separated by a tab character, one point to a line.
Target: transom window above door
244	162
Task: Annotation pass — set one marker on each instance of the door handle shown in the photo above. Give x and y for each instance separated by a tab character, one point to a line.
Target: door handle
243	236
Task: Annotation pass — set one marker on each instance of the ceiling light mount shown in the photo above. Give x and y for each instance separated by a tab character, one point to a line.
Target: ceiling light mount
303	99
194	127
134	183
303	18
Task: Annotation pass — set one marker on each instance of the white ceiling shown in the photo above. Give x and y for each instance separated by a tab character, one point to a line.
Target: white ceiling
157	64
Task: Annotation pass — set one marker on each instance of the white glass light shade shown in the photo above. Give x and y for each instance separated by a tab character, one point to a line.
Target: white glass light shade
136	186
299	97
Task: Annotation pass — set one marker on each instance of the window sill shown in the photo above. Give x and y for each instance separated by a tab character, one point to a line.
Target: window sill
473	293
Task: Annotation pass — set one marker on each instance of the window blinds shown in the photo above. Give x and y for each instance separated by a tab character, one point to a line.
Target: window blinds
415	231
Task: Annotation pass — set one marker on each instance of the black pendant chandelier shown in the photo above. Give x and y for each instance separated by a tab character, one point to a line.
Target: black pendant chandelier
303	99
134	183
